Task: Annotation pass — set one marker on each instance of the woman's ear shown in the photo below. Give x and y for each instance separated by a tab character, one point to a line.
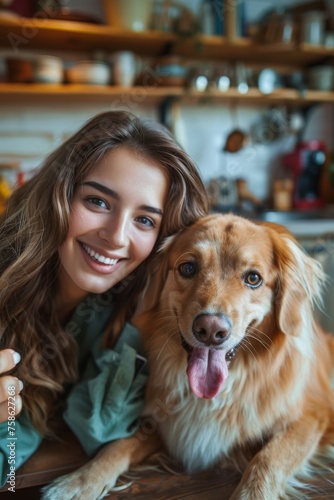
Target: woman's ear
300	280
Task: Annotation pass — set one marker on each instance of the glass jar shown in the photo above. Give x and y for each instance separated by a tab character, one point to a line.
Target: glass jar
313	27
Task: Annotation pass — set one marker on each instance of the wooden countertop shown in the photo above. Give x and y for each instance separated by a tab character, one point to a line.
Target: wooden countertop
57	458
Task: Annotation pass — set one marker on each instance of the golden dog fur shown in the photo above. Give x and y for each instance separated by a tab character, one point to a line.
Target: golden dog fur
239	369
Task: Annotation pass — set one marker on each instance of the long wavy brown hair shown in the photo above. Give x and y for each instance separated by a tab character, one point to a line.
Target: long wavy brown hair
35	226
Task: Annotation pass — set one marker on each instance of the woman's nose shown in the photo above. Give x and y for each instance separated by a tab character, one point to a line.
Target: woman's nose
115	230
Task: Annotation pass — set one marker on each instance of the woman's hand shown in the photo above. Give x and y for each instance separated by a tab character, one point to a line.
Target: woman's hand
10	386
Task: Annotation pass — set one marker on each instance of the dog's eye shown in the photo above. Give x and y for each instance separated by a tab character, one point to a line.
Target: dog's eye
187	269
253	279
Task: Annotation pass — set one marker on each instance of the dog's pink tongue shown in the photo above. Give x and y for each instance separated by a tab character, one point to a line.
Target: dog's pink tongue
207	372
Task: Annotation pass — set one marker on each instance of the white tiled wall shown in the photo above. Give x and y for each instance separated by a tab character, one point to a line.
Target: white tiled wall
28	133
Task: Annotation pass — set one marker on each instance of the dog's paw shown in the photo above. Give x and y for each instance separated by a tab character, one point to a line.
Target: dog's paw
249	493
75	486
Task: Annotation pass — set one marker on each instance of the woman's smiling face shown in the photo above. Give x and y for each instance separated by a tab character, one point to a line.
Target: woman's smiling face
114	224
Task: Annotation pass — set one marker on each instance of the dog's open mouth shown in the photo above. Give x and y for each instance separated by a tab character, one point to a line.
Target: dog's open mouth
229	354
207	369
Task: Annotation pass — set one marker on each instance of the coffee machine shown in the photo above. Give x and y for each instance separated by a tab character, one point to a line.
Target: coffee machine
306	163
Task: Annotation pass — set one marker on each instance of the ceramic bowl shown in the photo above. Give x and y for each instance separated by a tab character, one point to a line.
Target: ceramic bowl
48	69
89	72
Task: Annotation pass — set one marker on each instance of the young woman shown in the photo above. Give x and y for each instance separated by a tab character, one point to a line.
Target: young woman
75	247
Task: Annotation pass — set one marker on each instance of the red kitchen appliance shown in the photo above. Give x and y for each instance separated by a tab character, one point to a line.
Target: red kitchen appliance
306	163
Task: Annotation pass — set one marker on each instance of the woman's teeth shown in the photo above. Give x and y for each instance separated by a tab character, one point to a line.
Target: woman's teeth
100	258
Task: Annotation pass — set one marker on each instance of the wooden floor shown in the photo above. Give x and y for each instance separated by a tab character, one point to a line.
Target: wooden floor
54	459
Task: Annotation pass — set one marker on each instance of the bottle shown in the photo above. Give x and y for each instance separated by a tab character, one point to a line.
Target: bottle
282	196
207	18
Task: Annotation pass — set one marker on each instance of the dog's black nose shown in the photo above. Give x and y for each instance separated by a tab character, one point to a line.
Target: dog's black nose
211	329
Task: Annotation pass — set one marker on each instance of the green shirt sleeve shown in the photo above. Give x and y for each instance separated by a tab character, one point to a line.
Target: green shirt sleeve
107	403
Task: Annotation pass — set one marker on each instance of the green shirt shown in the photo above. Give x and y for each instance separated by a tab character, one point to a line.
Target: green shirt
107	401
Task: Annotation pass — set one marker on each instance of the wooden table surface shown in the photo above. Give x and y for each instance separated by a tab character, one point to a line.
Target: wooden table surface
211	485
57	458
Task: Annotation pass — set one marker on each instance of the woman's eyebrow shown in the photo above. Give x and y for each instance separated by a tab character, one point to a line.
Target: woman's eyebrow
110	192
102	188
153	210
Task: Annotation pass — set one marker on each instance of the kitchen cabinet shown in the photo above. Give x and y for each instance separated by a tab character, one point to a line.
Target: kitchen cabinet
22	34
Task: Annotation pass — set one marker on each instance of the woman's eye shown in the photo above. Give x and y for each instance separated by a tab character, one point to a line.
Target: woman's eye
146	221
253	279
99	202
187	269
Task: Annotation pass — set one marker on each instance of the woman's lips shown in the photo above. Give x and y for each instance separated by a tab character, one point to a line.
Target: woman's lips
98	266
99	257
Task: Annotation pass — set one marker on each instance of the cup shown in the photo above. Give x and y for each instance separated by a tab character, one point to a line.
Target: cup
321	77
125	66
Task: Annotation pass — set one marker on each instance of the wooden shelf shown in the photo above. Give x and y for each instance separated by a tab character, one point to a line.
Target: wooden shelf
247	50
13	92
22	34
26	34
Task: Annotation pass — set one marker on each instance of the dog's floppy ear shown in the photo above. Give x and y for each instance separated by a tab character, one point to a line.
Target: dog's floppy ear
300	280
157	274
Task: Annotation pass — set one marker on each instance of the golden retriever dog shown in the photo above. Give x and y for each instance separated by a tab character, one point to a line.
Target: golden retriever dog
239	369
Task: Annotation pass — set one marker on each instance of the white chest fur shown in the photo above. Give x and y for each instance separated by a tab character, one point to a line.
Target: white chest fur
197	432
194	434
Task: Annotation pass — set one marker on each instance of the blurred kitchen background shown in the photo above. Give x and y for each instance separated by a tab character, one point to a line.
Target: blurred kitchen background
246	86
